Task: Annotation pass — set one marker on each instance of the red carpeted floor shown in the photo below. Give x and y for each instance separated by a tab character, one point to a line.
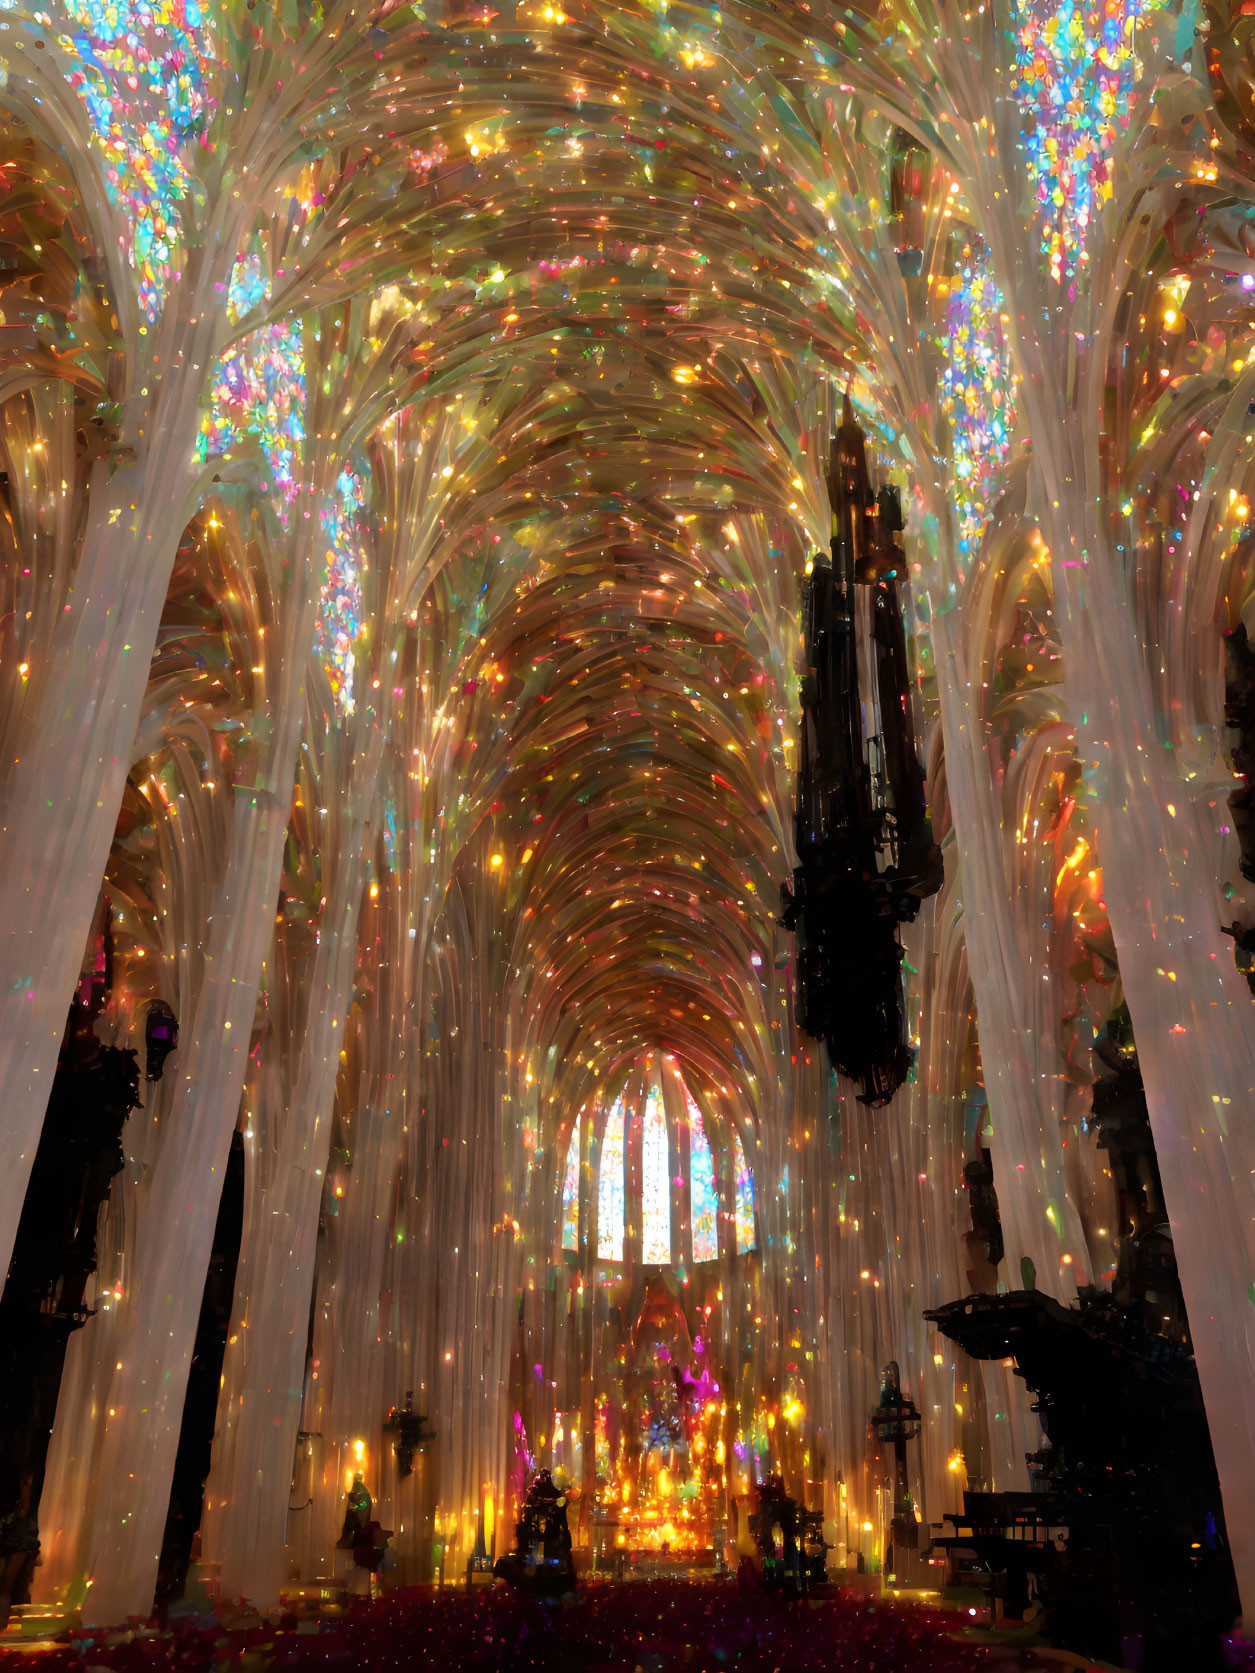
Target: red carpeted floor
654	1627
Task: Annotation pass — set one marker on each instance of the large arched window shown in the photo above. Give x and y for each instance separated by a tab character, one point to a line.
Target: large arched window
744	1187
703	1189
657	1144
571	1193
610	1185
655	1183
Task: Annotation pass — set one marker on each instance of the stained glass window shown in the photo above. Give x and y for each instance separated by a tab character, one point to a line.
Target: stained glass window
258	388
977	392
744	1187
340	607
610	1188
142	72
1076	75
655	1184
704	1196
571	1193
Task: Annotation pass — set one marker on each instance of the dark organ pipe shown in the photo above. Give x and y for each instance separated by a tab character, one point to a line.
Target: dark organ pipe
866	856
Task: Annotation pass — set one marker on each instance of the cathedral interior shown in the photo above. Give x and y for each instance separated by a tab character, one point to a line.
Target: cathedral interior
627	831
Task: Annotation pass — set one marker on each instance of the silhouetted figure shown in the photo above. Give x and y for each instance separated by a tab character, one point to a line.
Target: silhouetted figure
356	1514
783	1568
542	1557
361	1533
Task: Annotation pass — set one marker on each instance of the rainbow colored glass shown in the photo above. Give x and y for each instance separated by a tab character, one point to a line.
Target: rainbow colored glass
340	605
141	68
656	1187
743	1185
257	389
978	393
571	1193
655	1184
704	1192
1075	70
610	1187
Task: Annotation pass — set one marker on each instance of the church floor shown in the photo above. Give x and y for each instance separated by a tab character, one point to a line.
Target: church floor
651	1627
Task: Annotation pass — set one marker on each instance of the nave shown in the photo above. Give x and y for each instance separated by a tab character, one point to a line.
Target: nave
627	815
